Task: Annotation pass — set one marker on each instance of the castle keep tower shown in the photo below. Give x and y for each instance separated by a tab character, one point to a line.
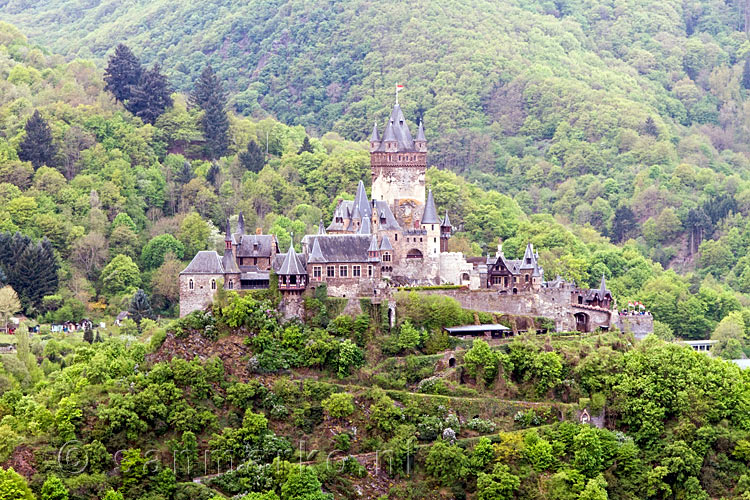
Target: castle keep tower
398	163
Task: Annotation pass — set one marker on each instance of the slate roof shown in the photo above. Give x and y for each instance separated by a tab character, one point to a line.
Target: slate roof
316	255
446	221
373	244
321	227
397	130
241	224
374	135
291	264
361	207
229	263
339	247
366	227
385	244
255	245
205	262
420	132
430	215
384	212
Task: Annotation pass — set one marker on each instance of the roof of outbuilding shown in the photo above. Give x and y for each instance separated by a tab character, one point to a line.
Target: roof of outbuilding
205	262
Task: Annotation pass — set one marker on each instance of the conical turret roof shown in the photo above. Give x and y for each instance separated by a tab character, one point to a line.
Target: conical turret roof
373	244
291	264
385	244
603	285
316	255
241	223
430	215
446	221
374	136
228	236
420	132
361	206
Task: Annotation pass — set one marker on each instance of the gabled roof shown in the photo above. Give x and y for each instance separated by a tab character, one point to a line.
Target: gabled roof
385	244
255	245
205	262
430	215
292	264
340	247
229	263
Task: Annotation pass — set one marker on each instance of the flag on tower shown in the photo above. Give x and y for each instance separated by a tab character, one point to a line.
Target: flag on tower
398	88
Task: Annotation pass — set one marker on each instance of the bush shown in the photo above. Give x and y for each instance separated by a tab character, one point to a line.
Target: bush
339	405
482	362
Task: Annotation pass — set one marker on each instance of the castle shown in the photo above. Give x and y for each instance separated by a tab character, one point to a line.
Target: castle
396	238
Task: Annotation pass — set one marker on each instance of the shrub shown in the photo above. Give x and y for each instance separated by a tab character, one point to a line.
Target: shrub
481	362
339	405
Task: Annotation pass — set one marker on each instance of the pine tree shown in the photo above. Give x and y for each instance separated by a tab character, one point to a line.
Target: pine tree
35	274
151	96
88	334
623	224
123	73
650	127
306	146
140	307
746	75
185	174
98	337
212	176
253	158
37	146
210	96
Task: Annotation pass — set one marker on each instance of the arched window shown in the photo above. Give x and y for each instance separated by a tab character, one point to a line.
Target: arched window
213	284
230	285
191	284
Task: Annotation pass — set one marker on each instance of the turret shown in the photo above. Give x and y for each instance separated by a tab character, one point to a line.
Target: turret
374	138
241	224
228	238
389	138
420	143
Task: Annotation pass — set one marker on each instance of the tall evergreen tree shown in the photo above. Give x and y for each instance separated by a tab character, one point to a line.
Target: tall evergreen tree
746	74
140	306
35	274
123	73
151	96
212	176
210	96
253	159
306	146
37	146
623	224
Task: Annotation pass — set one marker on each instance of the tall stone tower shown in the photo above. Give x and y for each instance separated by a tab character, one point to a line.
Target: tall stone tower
398	163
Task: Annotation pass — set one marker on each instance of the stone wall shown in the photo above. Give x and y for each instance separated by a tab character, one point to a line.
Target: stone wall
201	295
454	269
554	304
639	325
402	182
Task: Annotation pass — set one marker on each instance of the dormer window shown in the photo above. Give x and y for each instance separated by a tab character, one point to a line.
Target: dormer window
528	261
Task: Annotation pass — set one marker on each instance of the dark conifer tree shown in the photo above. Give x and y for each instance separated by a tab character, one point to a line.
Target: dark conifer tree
253	159
36	274
37	146
210	96
186	173
746	74
151	96
123	73
140	307
623	224
306	146
212	176
98	337
650	127
88	334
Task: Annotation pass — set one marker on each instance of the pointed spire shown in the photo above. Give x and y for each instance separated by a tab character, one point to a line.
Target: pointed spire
528	255
373	244
389	135
430	215
420	133
321	227
374	136
385	244
603	285
316	255
241	224
361	206
446	221
228	236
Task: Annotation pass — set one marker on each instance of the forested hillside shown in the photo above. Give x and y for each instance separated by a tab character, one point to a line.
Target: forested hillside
629	116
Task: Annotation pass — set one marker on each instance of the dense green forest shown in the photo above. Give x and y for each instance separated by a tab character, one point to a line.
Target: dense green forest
628	116
612	136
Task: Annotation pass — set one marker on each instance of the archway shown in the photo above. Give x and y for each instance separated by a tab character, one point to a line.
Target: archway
582	322
465	277
414	254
